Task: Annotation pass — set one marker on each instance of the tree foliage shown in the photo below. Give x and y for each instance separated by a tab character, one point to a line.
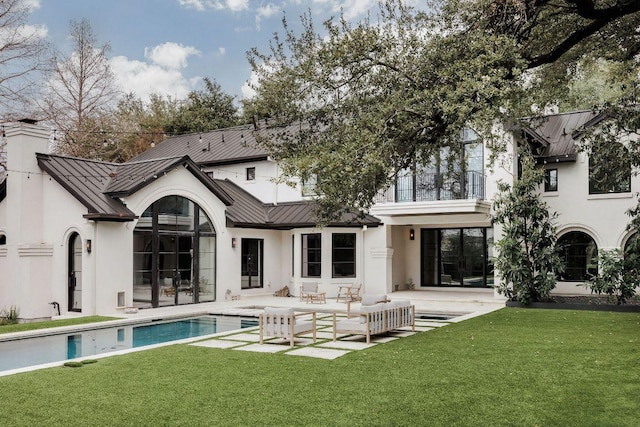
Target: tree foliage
527	257
80	89
204	110
21	55
372	98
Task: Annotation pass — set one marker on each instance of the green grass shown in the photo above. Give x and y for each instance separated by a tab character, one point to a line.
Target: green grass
514	367
22	327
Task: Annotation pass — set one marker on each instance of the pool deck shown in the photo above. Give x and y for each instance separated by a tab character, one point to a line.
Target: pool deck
467	303
459	304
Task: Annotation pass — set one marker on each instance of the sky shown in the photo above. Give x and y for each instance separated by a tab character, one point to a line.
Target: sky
169	46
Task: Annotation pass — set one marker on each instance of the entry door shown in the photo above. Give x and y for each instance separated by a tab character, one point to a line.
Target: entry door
74	276
252	263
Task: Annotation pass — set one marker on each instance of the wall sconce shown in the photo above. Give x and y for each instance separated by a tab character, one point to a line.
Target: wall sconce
412	234
233	242
88	245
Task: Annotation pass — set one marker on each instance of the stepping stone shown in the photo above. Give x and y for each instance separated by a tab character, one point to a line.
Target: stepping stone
218	344
249	337
263	348
346	345
299	340
321	353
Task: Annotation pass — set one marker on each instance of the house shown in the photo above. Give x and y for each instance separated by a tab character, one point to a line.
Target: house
202	217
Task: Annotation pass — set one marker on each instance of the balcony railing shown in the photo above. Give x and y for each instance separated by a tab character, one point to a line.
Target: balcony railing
428	187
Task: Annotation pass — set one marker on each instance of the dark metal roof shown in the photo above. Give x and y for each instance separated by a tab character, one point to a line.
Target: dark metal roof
556	134
223	146
98	185
249	212
86	180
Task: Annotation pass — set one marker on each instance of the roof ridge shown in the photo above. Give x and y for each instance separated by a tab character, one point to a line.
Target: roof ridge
80	159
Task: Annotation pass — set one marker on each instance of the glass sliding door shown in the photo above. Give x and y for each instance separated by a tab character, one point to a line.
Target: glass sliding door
457	257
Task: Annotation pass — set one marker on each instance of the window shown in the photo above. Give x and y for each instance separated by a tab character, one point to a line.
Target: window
551	180
3	239
309	185
311	255
343	255
609	170
579	254
251	174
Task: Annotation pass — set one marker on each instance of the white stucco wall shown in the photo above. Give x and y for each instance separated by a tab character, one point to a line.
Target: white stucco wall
264	187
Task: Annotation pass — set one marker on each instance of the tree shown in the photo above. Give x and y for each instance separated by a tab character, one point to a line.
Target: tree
371	99
527	258
135	126
21	49
205	110
80	89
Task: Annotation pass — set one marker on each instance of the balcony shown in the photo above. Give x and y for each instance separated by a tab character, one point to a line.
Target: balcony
431	187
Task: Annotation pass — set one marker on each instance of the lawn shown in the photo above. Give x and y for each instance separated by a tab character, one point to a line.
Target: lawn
514	367
22	327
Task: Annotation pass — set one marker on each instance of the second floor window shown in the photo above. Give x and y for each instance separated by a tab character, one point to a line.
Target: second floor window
311	255
551	180
609	170
251	174
309	186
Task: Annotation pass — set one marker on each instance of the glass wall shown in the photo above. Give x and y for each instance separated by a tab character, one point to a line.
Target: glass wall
457	257
174	254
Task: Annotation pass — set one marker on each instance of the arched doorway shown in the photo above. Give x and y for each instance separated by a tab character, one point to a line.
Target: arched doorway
174	254
74	273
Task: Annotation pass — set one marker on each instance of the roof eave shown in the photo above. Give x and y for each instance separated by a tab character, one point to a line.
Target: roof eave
110	217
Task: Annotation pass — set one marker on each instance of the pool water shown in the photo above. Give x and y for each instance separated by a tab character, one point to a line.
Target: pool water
27	352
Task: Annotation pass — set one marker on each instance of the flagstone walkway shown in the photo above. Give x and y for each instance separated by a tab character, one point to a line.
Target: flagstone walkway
324	348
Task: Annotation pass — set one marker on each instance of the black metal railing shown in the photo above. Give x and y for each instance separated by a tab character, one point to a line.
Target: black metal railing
426	187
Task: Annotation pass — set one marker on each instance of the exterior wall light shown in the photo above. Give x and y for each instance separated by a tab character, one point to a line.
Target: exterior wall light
88	246
233	242
412	234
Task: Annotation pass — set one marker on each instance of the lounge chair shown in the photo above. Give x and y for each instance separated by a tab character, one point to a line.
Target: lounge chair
306	289
284	323
349	293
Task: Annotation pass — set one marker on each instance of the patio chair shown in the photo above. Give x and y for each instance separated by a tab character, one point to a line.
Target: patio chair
284	323
349	293
306	289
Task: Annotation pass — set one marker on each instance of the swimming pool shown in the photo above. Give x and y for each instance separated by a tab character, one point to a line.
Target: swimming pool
40	350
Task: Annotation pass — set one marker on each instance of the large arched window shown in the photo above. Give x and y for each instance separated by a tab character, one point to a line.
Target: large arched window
579	254
174	254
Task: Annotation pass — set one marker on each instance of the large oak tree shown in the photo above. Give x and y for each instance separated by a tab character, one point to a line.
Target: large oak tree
373	98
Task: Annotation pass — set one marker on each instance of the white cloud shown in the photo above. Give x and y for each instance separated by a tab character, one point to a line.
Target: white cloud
222	51
266	12
201	5
162	76
170	55
23	33
31	4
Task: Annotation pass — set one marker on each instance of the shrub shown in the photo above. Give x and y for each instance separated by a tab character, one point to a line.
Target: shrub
618	275
10	316
527	258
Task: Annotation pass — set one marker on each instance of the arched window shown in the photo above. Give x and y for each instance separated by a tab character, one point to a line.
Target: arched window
174	254
579	254
632	245
3	239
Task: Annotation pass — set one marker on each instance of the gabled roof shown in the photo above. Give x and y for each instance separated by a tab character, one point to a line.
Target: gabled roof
556	134
224	146
249	212
98	185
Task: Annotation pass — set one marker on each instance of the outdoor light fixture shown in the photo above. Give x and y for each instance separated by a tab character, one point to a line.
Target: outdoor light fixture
233	242
88	245
412	234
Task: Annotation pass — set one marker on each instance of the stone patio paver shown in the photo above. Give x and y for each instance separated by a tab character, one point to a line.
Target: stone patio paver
218	344
317	352
346	345
263	348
